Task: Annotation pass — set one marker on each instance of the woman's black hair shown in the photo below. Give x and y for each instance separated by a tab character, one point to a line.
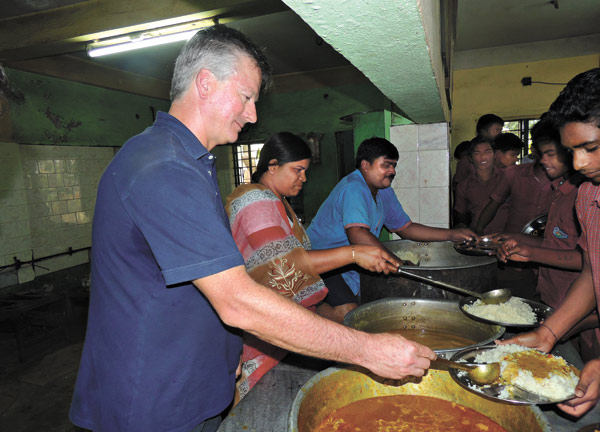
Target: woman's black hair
283	146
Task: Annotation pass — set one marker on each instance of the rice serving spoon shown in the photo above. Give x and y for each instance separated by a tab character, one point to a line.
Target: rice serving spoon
496	296
479	373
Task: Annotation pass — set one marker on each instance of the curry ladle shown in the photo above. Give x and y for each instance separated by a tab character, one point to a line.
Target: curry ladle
482	374
497	296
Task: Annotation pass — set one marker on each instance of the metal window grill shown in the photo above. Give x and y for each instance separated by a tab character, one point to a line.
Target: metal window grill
245	159
522	129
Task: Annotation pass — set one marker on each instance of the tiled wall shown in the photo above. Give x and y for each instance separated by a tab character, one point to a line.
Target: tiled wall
47	197
422	181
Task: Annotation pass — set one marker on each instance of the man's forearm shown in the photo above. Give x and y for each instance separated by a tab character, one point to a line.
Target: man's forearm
418	232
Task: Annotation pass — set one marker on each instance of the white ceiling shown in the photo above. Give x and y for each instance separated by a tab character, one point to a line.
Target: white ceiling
487	32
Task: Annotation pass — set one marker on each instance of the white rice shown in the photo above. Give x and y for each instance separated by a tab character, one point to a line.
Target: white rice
554	387
514	311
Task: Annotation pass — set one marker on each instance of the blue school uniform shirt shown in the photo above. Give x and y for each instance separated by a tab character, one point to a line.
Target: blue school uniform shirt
349	204
156	355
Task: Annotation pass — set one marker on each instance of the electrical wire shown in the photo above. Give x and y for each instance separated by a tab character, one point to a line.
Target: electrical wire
548	83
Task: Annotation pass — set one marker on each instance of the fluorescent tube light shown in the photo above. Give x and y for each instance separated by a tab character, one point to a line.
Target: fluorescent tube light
143	41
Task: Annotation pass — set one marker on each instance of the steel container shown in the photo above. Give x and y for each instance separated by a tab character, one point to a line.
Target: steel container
425	315
335	387
437	260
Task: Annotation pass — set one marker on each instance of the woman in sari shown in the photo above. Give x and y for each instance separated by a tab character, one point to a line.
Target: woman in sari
276	248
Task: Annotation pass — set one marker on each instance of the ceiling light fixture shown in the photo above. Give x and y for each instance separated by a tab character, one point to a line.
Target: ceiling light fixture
148	38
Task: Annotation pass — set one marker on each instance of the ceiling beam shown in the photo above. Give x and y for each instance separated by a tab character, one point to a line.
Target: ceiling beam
87	72
68	29
394	43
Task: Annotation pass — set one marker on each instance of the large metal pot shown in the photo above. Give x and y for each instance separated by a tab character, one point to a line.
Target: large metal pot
425	315
437	260
335	387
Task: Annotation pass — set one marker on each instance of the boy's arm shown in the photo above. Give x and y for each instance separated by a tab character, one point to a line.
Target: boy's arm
486	216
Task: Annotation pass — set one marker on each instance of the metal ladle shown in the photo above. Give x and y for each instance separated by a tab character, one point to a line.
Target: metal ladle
496	296
482	374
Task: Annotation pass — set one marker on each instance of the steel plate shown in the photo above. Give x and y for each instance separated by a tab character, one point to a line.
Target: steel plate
518	396
542	312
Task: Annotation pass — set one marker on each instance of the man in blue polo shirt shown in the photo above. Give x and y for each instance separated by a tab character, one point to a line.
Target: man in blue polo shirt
355	212
168	283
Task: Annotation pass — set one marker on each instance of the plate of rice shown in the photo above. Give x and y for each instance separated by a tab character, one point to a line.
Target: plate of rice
516	312
527	376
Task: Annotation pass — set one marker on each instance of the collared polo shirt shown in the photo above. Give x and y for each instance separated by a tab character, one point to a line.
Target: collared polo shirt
473	194
562	233
350	204
156	355
588	213
530	193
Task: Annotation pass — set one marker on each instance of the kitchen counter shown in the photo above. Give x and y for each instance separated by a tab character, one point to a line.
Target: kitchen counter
267	405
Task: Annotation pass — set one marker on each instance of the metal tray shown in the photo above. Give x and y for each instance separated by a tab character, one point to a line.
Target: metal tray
483	247
517	395
542	312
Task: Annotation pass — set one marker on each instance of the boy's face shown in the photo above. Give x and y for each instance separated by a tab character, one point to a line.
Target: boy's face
583	139
380	173
551	160
483	156
507	158
492	130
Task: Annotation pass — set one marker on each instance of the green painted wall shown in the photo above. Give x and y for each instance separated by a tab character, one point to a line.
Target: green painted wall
55	111
315	110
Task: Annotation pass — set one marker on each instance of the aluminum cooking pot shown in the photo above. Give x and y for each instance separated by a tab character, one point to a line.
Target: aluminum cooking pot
335	387
424	315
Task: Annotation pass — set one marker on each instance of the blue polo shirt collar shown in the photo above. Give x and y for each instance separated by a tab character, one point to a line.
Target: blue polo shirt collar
188	140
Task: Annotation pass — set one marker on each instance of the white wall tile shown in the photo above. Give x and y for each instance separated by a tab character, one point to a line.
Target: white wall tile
407	170
409	198
404	137
433	136
434	205
434	168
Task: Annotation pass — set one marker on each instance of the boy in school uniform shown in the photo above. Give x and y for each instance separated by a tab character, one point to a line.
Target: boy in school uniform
576	113
472	194
556	252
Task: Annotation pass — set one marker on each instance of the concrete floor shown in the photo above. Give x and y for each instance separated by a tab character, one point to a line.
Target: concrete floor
36	395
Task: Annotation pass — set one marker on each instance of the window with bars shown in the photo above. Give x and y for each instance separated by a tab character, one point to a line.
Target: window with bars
522	129
245	159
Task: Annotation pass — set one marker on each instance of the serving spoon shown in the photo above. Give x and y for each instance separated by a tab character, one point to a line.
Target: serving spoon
496	296
479	373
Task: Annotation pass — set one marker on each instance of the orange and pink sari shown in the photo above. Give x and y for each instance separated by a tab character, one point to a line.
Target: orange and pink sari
274	247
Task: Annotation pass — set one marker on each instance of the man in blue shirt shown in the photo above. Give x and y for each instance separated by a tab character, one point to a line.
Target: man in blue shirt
355	212
168	282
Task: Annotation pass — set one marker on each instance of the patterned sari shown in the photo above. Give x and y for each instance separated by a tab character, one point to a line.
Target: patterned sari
281	264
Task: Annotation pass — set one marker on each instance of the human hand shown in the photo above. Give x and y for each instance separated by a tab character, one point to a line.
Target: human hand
462	234
587	391
392	356
238	370
540	338
514	251
375	259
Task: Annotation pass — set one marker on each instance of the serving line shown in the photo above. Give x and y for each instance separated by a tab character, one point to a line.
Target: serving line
267	405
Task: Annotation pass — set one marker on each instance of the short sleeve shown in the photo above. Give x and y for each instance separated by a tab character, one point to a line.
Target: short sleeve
354	205
179	212
395	218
